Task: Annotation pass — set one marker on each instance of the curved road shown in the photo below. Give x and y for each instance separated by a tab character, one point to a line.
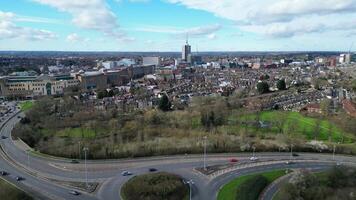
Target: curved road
45	177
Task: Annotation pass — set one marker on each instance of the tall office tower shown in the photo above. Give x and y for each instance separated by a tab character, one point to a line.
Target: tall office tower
187	53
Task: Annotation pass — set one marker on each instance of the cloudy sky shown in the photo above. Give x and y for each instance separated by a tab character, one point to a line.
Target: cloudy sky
162	25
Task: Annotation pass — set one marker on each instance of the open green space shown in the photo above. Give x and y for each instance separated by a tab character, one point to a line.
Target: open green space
245	186
10	192
155	186
26	105
293	123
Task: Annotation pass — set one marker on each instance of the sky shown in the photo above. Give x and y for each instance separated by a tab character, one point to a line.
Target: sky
164	25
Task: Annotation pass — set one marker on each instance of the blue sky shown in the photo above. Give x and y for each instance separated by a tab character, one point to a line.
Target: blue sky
162	25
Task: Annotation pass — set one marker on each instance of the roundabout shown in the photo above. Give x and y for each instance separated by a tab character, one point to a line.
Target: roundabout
56	178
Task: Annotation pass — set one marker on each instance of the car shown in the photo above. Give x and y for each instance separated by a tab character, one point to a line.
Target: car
3	173
233	160
254	158
126	173
19	117
3	137
74	161
19	178
295	154
289	162
152	169
73	192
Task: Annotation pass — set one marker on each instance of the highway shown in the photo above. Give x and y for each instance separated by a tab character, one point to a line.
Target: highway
43	175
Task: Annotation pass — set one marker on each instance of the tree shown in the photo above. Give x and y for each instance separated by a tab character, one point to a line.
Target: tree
281	84
164	103
262	87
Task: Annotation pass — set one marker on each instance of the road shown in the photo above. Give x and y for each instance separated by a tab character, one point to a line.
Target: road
39	172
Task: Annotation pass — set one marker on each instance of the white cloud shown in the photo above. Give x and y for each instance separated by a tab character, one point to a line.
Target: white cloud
278	18
74	37
182	32
89	14
9	30
212	36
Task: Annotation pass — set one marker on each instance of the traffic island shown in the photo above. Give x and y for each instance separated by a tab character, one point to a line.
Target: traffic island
155	186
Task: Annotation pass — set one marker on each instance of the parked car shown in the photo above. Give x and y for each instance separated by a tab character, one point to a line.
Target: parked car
126	173
19	178
3	137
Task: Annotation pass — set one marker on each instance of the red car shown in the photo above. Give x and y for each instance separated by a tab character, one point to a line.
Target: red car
233	160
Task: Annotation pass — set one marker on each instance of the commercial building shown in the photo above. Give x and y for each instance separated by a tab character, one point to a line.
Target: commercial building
95	80
187	53
32	86
146	61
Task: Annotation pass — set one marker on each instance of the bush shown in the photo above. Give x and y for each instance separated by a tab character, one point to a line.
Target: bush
157	186
250	189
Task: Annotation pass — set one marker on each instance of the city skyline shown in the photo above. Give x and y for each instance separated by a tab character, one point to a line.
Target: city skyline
149	25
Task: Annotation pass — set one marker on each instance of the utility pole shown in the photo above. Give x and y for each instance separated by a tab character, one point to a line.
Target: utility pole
86	149
204	157
253	153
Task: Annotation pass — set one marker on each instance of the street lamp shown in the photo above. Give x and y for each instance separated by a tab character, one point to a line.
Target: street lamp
190	183
79	152
86	149
204	157
28	159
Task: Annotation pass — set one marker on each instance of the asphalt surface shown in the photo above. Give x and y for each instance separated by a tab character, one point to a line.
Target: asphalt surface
38	170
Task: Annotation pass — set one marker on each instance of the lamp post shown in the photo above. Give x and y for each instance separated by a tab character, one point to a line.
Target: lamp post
291	151
79	152
190	183
204	157
28	159
86	149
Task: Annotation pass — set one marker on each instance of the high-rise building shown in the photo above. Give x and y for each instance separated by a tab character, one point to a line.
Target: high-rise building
187	53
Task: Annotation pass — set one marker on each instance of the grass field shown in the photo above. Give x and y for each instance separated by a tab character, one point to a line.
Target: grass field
77	133
228	191
295	123
10	192
26	105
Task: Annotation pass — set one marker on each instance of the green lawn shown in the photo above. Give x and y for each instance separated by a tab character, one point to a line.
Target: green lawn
10	192
77	133
228	191
295	123
26	105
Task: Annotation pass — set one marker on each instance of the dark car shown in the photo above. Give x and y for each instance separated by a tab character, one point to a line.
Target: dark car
3	173
126	173
19	178
152	169
3	137
295	154
73	192
74	161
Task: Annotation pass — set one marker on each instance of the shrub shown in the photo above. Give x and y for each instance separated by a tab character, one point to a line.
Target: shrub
250	189
157	186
